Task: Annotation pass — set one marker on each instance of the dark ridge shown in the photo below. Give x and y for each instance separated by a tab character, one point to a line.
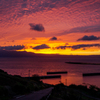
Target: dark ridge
5	53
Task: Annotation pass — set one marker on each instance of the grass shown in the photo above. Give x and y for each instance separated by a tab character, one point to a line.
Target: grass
74	92
11	85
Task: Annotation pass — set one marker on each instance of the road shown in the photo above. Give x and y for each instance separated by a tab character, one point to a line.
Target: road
37	95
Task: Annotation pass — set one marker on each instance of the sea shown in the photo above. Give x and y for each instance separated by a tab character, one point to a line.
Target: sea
28	66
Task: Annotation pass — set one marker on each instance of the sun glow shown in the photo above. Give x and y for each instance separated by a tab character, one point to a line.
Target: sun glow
67	51
50	26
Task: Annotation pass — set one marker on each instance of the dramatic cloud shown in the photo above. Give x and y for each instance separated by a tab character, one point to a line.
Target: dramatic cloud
53	38
37	27
43	46
74	47
18	47
89	38
20	20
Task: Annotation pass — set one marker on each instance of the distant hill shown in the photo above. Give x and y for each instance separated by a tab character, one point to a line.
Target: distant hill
4	53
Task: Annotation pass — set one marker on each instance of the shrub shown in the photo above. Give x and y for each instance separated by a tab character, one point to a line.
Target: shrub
36	77
82	87
72	86
19	88
3	91
1	71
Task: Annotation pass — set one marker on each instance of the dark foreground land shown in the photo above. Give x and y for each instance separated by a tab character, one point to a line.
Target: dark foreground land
73	92
36	95
14	87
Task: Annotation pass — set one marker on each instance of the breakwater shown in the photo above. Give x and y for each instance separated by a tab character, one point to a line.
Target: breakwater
60	72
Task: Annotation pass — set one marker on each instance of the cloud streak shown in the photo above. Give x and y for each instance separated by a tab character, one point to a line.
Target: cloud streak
86	29
83	29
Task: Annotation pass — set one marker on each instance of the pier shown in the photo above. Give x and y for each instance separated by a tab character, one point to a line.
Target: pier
44	77
60	72
47	77
91	74
83	63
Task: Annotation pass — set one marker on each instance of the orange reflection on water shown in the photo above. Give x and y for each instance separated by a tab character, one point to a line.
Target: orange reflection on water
66	79
72	78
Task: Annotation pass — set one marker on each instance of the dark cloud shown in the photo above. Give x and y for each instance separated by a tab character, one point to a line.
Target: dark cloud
61	47
89	38
74	47
84	45
18	47
37	27
43	46
53	38
66	43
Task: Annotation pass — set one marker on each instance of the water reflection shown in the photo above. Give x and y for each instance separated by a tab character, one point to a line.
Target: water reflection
67	79
92	80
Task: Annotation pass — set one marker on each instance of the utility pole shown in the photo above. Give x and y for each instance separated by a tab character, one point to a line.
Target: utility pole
66	82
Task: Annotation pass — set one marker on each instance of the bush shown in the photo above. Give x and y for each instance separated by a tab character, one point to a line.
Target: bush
3	91
30	87
72	86
92	88
1	71
19	88
81	87
36	77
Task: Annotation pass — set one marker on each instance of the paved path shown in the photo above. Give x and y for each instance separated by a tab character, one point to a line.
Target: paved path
37	95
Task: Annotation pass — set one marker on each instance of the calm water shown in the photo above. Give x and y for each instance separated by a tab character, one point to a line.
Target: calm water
41	65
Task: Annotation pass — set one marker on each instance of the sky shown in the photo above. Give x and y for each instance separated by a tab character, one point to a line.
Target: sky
65	27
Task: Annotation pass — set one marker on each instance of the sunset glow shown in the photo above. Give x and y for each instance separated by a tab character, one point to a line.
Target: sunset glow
65	27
